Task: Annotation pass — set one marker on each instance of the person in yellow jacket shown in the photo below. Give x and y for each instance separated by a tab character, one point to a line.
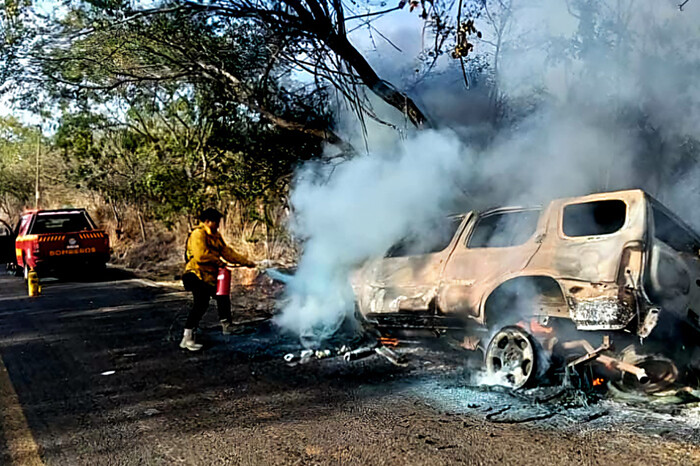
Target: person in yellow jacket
205	251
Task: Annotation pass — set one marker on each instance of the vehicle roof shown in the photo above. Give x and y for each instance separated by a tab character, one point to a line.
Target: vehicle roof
54	211
494	210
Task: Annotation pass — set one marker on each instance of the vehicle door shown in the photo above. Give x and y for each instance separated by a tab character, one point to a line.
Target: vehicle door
20	238
408	276
493	247
591	234
596	243
672	278
7	243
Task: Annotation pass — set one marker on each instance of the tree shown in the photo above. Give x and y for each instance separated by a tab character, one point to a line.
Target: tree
17	148
174	47
18	151
177	148
311	35
12	36
308	35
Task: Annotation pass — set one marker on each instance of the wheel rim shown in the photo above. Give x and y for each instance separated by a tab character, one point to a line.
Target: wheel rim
510	357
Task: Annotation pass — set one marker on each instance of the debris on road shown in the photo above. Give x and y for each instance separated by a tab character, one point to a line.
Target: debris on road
347	354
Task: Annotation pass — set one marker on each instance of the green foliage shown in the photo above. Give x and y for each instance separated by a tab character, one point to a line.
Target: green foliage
181	154
13	33
18	145
171	113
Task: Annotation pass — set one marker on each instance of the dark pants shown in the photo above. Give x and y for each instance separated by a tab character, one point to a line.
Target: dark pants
202	293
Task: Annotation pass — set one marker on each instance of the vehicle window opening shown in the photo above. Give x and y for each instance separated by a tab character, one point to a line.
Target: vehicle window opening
673	233
24	224
434	238
504	230
594	218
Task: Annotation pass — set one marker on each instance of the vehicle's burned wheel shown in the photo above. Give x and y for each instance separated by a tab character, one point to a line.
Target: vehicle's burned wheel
511	357
661	372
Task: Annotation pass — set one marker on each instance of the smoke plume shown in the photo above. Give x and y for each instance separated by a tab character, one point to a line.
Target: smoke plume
581	96
356	211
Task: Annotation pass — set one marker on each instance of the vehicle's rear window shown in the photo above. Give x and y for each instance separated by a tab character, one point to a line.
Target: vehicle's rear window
60	223
594	218
504	230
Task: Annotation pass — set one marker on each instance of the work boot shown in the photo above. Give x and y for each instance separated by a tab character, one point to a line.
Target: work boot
188	341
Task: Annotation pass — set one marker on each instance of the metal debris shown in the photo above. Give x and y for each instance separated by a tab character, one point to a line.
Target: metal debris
390	355
359	353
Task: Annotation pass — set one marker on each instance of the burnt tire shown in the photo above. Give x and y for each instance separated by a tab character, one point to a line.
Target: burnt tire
511	358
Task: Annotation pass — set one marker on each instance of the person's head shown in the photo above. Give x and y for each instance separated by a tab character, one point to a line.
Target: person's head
211	218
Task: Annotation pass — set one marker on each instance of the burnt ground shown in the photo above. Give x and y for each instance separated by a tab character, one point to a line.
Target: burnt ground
238	402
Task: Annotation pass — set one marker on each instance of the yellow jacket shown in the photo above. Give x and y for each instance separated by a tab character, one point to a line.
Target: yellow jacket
205	251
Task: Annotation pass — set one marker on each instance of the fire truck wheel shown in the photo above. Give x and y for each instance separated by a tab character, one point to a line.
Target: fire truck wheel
511	357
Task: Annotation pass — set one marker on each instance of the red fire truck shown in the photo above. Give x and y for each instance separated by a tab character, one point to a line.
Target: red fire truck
60	241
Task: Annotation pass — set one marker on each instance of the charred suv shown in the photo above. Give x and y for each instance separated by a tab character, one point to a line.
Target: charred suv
610	277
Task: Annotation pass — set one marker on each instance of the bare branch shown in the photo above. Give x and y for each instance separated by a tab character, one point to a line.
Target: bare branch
372	13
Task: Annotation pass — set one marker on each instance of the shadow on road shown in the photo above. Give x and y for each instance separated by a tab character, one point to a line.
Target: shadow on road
109	274
79	276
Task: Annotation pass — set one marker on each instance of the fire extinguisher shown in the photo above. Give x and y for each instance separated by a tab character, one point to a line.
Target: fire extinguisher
223	282
33	284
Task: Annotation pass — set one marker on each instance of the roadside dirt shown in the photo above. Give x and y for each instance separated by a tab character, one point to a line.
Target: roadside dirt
238	402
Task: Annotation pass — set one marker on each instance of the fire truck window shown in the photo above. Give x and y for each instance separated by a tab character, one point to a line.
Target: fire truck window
594	218
504	230
60	223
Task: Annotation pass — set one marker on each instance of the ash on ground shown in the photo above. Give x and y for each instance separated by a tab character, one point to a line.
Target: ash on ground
445	380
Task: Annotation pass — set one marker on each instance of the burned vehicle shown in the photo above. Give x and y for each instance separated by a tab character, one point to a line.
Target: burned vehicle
609	278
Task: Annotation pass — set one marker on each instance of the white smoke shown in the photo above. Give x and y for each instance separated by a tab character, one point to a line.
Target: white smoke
599	95
359	213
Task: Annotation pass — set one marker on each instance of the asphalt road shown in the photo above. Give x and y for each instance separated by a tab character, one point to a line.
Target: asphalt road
96	378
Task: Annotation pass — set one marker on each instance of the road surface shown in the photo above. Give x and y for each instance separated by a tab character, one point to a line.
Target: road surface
91	374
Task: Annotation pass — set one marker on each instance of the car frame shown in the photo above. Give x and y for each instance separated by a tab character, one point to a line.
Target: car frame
585	286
